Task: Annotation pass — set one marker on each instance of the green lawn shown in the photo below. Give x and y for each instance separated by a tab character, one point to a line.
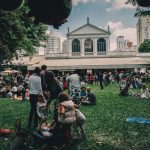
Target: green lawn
106	127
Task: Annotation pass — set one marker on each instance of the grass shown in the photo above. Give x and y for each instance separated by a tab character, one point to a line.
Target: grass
106	127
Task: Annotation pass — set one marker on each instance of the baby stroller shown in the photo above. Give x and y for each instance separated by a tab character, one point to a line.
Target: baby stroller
39	140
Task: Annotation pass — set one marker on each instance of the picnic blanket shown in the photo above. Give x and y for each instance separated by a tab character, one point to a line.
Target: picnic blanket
138	120
4	132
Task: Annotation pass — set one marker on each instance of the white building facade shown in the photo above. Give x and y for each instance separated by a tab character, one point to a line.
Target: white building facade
53	44
143	29
120	43
147	32
88	41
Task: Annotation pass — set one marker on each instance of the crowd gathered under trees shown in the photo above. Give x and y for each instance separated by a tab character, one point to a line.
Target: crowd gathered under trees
69	91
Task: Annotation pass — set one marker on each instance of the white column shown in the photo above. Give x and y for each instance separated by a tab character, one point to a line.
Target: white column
82	47
108	45
95	46
70	47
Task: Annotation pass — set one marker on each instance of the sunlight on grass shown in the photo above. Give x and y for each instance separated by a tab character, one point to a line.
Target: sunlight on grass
106	127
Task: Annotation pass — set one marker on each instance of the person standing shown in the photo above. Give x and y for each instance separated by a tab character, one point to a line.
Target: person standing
91	77
74	87
42	74
53	86
35	88
101	79
96	78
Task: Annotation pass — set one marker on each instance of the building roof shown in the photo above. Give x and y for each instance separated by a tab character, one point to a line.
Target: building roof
92	29
87	63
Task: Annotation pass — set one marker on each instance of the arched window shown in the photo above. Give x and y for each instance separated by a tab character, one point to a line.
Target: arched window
101	45
75	45
88	44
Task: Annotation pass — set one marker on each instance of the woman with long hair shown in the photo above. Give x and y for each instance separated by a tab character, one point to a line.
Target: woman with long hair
53	86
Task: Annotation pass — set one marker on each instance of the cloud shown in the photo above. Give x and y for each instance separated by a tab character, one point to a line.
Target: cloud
118	29
109	1
76	2
115	4
118	4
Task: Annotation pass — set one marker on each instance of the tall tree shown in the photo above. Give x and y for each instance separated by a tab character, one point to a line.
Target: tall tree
140	11
145	46
18	33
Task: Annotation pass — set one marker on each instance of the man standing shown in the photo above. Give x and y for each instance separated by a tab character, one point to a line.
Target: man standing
35	88
43	82
101	79
74	87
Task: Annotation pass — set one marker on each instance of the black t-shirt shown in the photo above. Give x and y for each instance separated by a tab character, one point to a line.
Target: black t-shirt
43	82
55	89
91	98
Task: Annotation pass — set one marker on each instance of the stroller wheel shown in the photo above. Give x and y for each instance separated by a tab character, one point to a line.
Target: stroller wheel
18	144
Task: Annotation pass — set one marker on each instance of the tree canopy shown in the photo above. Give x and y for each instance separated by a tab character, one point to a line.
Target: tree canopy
19	33
140	11
145	46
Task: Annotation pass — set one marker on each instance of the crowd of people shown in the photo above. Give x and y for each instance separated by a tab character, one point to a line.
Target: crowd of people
44	87
14	86
69	92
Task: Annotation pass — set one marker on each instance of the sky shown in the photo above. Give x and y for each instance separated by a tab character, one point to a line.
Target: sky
115	13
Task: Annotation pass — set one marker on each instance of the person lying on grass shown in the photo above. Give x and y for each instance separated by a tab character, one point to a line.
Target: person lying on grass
90	99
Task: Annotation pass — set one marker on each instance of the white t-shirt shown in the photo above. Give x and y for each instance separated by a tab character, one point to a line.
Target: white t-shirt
145	93
35	84
14	89
73	80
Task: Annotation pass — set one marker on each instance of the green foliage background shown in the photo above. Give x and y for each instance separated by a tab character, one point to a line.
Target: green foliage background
18	32
145	46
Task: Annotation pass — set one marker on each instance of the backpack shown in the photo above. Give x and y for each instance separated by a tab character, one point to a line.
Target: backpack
66	112
80	117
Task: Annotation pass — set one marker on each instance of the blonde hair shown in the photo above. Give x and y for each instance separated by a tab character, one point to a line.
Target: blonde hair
88	89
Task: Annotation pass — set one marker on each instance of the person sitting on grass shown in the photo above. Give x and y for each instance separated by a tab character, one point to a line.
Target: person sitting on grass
14	90
145	92
90	98
83	93
9	94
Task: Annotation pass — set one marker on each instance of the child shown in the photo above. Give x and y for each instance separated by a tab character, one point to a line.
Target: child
41	107
27	93
67	114
90	98
83	95
80	120
14	91
83	92
66	109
